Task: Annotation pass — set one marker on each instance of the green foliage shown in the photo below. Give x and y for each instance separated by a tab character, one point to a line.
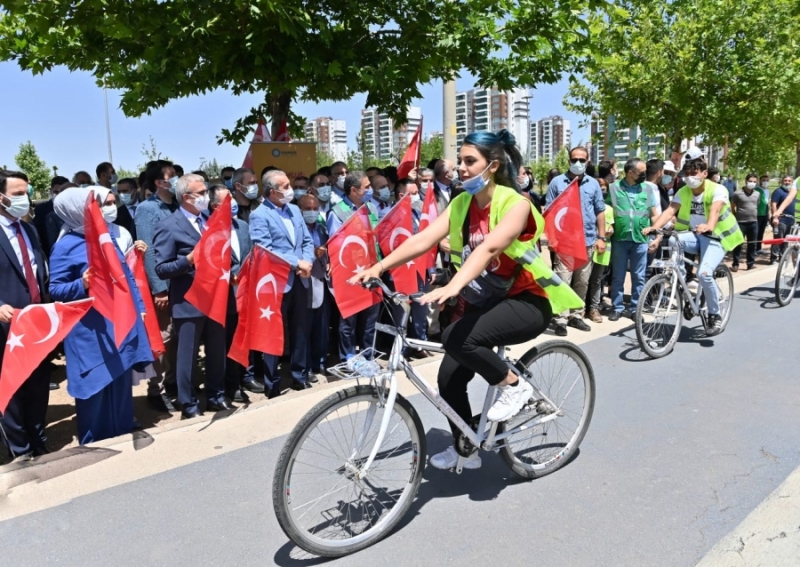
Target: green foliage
324	159
212	168
29	162
540	168
124	173
156	52
561	163
432	148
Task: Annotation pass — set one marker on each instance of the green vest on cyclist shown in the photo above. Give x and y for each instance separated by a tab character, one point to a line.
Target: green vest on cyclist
631	212
726	229
525	253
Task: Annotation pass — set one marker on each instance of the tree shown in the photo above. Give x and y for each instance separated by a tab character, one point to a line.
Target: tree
29	162
324	159
698	68
156	52
432	147
212	168
123	173
540	168
561	163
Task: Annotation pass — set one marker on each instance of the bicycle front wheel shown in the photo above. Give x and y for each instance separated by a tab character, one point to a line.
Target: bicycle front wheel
723	278
320	498
786	279
659	316
563	383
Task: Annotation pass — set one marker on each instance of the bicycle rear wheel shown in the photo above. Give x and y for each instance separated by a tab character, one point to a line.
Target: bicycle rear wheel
786	278
723	278
563	373
319	501
659	316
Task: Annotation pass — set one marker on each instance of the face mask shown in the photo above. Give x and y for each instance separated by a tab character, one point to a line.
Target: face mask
234	207
18	207
340	181
83	185
53	195
715	179
324	193
383	194
30	190
666	180
577	168
287	197
110	213
751	185
765	184
299	193
415	198
475	185
228	182
368	195
173	184
525	183
251	192
641	178
310	216
693	181
201	203
113	179
126	198
787	186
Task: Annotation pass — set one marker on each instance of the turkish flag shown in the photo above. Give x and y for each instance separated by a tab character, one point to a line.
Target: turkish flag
351	250
429	214
564	227
261	134
283	132
262	280
108	285
394	229
35	331
411	158
212	261
135	261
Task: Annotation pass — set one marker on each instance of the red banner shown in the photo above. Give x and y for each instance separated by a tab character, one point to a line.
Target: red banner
135	261
352	250
564	227
394	229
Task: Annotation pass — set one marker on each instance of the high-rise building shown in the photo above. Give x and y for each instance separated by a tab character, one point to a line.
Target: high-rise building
548	136
621	144
330	136
382	139
490	109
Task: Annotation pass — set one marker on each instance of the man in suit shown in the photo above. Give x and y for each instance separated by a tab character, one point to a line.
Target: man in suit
174	241
241	246
23	275
320	294
278	226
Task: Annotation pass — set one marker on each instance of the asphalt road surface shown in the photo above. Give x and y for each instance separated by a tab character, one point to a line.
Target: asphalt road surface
679	451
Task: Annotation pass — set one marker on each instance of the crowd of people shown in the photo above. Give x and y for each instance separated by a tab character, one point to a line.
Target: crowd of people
164	212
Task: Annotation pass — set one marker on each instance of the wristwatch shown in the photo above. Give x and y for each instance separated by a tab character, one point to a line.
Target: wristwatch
603	238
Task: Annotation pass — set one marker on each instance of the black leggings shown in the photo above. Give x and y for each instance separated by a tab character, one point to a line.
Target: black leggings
468	345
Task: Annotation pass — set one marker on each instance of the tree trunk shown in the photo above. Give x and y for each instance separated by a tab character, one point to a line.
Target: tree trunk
279	110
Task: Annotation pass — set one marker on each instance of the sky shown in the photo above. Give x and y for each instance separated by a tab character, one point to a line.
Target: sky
62	114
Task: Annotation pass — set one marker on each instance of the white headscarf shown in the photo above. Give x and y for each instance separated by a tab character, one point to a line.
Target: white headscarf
70	203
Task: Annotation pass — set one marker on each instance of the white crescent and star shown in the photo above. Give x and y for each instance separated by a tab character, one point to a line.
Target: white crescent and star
14	341
559	217
49	308
268	279
357	240
395	233
212	240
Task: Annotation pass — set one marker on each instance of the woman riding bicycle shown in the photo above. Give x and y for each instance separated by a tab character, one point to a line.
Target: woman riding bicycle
511	293
702	209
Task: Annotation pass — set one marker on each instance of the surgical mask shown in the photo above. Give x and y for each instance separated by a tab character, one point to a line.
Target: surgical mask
787	186
228	182
126	198
299	193
751	185
765	184
641	178
577	168
287	197
251	191
173	184
30	190
383	194
18	207
415	198
340	181
310	216
83	185
234	207
693	181
113	179
715	179
110	213
666	179
324	193
368	195
475	185
525	183
201	203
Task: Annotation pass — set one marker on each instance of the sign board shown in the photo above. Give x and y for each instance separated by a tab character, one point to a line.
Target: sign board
295	158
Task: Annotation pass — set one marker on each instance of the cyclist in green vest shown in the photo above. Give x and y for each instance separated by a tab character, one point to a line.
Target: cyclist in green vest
702	209
511	292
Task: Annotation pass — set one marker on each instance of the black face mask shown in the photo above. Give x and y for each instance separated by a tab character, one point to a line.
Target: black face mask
642	177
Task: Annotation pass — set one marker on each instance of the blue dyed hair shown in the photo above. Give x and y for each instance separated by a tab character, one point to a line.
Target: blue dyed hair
501	147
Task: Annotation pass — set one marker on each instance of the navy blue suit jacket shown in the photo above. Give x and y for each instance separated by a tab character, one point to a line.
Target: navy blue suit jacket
173	240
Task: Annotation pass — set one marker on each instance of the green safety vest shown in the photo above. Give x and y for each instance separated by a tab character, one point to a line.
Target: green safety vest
560	294
631	216
727	229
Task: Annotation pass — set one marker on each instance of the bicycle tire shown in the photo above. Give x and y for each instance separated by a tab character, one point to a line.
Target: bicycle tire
645	341
783	294
282	480
530	470
725	302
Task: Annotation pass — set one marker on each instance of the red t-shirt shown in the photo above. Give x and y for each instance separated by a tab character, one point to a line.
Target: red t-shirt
502	266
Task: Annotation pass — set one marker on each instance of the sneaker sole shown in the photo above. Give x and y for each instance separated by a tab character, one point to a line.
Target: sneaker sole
473	464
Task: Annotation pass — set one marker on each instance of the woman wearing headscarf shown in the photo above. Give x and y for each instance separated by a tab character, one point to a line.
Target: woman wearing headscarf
99	375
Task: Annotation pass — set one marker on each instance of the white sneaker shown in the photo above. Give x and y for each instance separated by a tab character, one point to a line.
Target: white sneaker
448	459
509	401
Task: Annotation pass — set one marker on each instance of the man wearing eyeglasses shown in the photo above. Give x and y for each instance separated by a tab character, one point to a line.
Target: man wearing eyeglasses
594	230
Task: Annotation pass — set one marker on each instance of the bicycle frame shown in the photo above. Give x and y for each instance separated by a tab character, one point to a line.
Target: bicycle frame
484	438
673	265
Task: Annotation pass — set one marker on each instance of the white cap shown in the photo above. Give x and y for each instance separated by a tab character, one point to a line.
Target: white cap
693	153
669	167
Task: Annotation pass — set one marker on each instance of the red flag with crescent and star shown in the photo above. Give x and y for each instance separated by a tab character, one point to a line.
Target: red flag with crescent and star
212	261
563	226
352	250
108	284
394	229
34	332
262	280
429	213
135	261
412	156
261	134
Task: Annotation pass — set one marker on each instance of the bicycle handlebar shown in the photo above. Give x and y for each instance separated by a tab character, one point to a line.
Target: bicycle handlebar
394	296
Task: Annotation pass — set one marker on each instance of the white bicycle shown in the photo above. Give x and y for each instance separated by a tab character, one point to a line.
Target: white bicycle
351	467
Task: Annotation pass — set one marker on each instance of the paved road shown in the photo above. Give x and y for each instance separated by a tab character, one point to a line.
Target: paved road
679	452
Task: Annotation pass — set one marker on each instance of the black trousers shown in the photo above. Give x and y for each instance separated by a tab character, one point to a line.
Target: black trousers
750	232
25	418
190	332
780	231
762	226
469	341
295	311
